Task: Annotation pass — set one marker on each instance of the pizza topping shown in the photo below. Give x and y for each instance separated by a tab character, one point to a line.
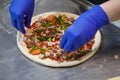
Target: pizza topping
29	32
43	39
47	54
50	43
46	24
41	55
47	31
38	30
83	51
34	48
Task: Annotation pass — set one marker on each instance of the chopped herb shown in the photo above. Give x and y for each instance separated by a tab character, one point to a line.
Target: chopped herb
83	51
54	31
39	30
60	19
63	26
44	49
49	39
69	57
46	24
34	48
43	38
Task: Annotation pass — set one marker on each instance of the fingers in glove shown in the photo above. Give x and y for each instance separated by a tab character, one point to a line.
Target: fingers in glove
63	41
75	47
28	19
14	23
20	25
68	46
13	20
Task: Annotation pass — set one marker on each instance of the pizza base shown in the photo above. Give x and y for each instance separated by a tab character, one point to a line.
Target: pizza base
47	62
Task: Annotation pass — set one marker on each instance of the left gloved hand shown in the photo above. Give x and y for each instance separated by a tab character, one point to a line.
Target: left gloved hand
21	12
83	29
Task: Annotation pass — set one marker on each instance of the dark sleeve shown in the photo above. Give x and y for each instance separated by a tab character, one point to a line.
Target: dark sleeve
97	1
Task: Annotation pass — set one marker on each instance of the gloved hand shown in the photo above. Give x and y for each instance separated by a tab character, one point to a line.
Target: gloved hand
21	12
83	29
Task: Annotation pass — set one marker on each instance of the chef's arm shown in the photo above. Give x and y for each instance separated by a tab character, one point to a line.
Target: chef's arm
87	24
112	9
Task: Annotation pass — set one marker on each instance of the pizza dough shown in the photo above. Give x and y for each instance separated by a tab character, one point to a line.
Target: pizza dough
48	62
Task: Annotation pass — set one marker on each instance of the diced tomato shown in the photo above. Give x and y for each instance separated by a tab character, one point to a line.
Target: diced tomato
51	18
89	46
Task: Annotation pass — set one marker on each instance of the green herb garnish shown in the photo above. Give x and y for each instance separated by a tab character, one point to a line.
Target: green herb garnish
63	26
49	39
46	24
43	38
54	32
69	57
35	47
39	30
60	19
83	51
44	49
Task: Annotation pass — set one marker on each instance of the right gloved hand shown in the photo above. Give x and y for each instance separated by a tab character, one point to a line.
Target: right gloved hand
83	29
21	12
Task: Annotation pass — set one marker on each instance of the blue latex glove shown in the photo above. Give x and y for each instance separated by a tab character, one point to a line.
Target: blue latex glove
21	12
83	29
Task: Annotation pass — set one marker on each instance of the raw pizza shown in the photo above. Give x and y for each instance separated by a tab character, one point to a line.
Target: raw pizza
43	37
